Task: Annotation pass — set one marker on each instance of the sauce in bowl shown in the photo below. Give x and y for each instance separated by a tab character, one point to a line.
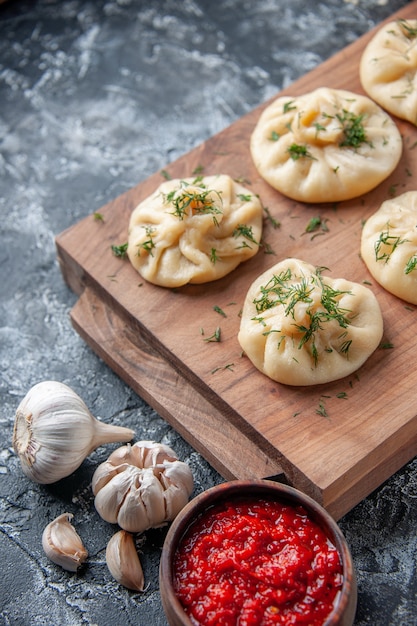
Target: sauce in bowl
256	561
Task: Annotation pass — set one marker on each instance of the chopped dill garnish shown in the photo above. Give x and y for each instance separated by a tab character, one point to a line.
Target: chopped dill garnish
321	409
215	337
213	256
268	249
288	290
245	231
387	345
411	264
407	29
386	244
289	106
313	224
120	251
319	127
148	245
342	395
229	366
195	198
298	151
274	222
219	310
353	129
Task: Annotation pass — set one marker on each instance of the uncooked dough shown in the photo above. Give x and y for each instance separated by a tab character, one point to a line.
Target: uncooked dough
194	230
300	327
388	69
389	246
328	145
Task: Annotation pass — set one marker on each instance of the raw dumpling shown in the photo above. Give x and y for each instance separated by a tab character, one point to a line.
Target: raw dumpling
388	68
194	230
302	328
328	145
389	246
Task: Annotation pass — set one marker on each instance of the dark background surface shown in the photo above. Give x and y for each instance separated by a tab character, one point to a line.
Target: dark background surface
94	97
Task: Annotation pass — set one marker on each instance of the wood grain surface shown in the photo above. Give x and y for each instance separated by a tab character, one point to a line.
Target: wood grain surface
337	442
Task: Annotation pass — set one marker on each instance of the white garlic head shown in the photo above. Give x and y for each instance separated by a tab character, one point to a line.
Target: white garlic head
141	486
63	545
54	432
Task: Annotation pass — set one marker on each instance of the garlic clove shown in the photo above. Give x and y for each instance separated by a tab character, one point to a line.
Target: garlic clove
54	432
179	474
104	473
124	454
144	505
152	498
110	498
62	544
123	561
151	453
178	486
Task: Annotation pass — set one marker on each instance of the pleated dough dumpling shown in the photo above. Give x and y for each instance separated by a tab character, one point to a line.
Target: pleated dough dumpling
328	145
388	68
389	246
302	328
194	230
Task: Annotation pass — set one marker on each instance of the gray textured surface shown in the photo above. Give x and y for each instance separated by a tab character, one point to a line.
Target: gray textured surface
94	97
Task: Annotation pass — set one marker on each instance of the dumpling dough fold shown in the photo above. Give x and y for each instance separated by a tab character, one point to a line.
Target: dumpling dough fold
302	328
328	145
194	230
388	68
389	246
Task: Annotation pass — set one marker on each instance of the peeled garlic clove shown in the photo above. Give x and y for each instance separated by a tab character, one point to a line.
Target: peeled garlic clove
123	561
62	544
54	432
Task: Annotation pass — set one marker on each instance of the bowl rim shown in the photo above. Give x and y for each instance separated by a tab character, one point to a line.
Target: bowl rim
238	488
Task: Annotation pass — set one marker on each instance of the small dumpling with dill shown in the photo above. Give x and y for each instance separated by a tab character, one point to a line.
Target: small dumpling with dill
389	246
388	68
328	145
194	230
300	327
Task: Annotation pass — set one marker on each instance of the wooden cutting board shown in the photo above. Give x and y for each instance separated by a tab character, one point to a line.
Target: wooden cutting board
337	442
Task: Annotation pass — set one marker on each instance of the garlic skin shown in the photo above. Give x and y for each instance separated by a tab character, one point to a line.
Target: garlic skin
54	432
141	486
123	561
62	544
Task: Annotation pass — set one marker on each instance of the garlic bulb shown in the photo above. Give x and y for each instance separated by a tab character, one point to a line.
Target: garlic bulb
141	486
54	432
62	544
123	561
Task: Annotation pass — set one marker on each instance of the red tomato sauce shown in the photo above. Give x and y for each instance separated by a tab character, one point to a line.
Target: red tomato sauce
257	562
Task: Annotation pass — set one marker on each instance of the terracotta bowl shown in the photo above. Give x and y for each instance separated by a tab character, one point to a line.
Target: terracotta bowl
344	606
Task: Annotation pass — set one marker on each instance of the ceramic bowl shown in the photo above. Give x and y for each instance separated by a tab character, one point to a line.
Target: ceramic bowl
344	606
